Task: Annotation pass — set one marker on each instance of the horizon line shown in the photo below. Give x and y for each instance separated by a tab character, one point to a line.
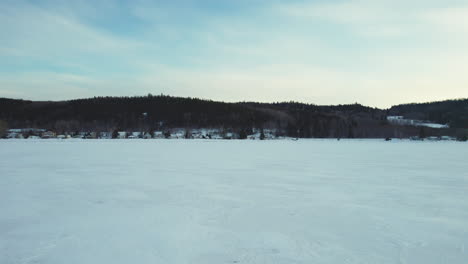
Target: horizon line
231	102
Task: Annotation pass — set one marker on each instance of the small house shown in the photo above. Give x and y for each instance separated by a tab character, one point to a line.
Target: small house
122	134
48	134
158	134
105	135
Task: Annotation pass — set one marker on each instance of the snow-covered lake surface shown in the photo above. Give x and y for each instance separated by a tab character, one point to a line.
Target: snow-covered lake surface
188	201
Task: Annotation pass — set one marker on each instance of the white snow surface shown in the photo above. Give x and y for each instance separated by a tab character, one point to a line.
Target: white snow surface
399	120
193	201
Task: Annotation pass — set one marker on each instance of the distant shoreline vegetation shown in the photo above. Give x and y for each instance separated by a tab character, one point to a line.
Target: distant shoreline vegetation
165	116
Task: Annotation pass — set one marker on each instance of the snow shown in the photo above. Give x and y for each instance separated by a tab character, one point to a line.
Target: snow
433	125
399	120
194	201
395	117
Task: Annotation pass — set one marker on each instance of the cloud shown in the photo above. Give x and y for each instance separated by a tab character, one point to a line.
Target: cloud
383	18
453	20
373	52
369	18
37	36
341	12
36	29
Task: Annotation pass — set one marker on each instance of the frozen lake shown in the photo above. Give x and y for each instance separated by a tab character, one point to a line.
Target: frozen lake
189	201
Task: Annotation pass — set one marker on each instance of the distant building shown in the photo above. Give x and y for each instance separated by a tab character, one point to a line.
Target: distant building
15	135
122	134
447	138
12	134
24	130
158	134
179	134
48	134
90	135
136	135
105	135
392	118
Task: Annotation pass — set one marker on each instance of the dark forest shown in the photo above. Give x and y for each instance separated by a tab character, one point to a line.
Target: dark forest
151	113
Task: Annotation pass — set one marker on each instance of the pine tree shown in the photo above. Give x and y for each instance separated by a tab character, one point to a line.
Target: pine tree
3	128
422	132
188	134
242	134
262	134
115	133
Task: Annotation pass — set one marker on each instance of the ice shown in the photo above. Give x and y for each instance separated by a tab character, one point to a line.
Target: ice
194	201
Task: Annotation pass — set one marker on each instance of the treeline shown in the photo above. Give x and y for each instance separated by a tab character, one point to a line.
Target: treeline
150	113
451	112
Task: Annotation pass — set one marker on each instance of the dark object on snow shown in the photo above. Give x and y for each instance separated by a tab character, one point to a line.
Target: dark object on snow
388	139
262	136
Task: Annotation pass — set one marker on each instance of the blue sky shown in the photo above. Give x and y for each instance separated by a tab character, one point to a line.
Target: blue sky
375	52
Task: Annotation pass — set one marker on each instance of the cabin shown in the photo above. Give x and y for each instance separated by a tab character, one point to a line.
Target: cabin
15	135
48	134
447	138
158	134
147	135
122	134
24	132
90	135
136	135
105	135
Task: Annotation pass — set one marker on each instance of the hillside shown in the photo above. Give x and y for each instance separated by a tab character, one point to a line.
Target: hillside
451	112
149	113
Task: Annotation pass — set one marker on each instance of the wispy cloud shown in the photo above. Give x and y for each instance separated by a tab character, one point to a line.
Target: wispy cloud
454	20
35	30
374	52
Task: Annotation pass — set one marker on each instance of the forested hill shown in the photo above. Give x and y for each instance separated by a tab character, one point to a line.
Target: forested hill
147	113
452	112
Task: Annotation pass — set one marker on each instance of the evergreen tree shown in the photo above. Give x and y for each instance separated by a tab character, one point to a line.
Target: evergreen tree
115	133
3	128
290	118
350	132
262	135
422	132
188	134
463	138
242	134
